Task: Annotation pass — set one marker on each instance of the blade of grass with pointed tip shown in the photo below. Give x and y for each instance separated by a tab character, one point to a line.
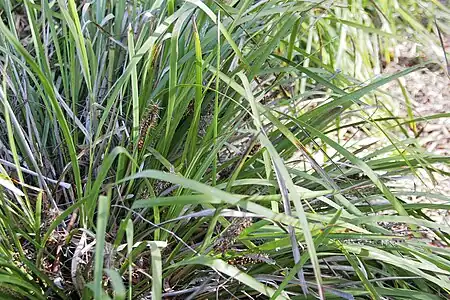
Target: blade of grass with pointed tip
173	77
219	194
370	288
317	242
48	87
284	174
349	98
191	141
362	165
233	272
147	45
404	263
73	22
285	131
222	28
134	88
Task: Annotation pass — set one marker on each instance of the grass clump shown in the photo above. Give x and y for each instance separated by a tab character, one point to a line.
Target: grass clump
200	149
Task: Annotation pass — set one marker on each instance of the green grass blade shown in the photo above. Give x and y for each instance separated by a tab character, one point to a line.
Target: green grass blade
117	284
156	269
233	272
102	221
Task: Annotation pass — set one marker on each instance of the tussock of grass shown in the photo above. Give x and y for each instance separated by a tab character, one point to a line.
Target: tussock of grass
201	149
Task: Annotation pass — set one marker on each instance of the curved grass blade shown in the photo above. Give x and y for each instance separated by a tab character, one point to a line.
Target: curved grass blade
233	272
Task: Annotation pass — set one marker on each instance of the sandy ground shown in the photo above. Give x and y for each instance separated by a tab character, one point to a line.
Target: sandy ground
429	91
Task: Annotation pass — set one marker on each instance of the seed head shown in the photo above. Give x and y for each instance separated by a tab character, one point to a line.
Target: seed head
255	149
251	259
149	121
231	233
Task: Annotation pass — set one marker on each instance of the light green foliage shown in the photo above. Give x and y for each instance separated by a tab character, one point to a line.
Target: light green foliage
195	149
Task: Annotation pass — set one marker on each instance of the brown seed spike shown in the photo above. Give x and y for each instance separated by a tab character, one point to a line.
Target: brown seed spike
251	259
190	109
237	226
255	149
149	121
231	233
155	54
223	244
140	143
161	186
